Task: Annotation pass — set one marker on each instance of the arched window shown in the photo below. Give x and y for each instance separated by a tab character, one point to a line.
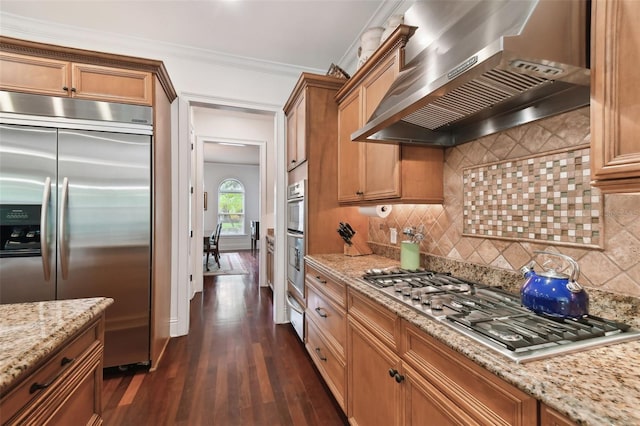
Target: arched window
231	207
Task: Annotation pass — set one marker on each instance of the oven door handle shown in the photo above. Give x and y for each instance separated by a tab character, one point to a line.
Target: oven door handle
293	304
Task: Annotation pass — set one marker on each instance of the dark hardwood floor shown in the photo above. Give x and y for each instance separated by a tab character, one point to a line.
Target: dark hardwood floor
235	367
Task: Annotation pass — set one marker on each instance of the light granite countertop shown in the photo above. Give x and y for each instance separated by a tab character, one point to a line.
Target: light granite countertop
599	386
29	332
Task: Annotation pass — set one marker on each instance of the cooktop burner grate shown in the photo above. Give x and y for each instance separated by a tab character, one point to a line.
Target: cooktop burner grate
495	317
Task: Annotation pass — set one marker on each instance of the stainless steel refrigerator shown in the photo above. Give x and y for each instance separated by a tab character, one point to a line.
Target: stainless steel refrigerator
75	210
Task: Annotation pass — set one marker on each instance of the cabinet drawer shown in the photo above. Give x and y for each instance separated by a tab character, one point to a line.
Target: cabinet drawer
377	319
332	288
485	397
329	317
328	362
51	372
76	400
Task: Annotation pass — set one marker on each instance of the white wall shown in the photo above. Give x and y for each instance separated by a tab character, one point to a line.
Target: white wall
249	176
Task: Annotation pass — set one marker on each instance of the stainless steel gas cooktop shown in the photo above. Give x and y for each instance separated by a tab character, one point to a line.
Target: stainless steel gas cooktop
496	318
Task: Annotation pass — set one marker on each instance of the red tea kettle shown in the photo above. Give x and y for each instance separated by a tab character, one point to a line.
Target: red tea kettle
553	293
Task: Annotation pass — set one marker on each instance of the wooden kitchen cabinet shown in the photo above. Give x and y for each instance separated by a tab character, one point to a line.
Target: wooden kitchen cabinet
296	137
479	396
375	396
312	116
428	380
371	172
326	325
66	388
615	96
47	76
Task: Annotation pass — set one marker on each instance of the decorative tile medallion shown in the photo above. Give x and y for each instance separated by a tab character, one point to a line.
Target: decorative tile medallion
546	198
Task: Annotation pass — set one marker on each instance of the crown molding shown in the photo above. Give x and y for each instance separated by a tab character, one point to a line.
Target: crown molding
47	32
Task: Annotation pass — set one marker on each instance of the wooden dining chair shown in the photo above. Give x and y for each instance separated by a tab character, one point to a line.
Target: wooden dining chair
211	245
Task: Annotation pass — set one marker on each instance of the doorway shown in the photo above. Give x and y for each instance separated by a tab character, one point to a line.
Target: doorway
193	112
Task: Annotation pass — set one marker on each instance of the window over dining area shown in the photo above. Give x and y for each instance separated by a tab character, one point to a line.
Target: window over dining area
231	203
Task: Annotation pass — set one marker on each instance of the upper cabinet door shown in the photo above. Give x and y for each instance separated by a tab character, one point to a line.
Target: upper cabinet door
296	133
382	161
349	156
29	74
615	96
112	84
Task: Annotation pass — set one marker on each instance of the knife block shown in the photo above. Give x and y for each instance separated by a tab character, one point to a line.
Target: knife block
358	247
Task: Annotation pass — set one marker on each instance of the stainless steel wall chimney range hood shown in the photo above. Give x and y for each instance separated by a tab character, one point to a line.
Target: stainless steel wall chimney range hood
476	67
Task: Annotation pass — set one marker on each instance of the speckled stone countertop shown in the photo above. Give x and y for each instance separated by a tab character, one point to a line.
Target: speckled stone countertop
599	386
31	331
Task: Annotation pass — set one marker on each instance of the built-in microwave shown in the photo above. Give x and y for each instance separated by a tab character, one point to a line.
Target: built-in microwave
295	207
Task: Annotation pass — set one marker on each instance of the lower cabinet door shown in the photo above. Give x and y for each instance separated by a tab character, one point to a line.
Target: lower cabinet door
374	396
424	404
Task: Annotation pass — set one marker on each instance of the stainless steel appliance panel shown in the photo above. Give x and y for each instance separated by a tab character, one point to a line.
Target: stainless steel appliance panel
296	315
104	232
27	199
295	262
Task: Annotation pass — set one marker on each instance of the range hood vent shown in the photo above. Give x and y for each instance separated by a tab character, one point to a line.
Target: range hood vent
515	79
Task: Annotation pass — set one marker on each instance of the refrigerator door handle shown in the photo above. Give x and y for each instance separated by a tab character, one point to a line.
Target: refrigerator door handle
44	229
62	239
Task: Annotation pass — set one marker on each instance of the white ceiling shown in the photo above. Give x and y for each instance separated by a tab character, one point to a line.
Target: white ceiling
310	34
307	33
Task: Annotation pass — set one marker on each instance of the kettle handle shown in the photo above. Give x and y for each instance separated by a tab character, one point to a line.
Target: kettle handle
575	269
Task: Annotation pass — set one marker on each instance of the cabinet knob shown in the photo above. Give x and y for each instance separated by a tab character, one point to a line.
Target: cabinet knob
392	372
73	89
359	193
293	161
399	378
65	88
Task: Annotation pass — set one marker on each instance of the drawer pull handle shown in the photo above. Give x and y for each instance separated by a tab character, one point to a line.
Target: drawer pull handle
359	193
322	358
319	278
319	311
65	362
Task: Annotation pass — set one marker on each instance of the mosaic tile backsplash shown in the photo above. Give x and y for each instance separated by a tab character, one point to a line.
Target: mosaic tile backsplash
614	268
547	198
